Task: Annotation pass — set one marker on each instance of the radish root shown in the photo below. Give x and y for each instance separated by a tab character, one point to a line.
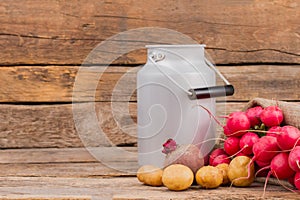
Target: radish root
275	181
254	131
265	185
296	144
210	114
211	139
279	182
298	164
272	181
244	147
262	169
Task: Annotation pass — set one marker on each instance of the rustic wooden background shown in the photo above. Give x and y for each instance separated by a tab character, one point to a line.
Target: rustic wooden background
255	44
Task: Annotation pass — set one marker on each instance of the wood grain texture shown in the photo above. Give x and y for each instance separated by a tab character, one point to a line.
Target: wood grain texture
130	189
67	170
67	84
46	126
47	155
63	32
43	143
77	163
44	197
69	162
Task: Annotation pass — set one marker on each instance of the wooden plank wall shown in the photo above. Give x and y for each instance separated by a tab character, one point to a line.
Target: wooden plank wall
255	44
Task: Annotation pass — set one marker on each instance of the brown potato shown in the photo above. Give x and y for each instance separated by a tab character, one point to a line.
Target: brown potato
209	177
177	177
150	175
224	168
238	171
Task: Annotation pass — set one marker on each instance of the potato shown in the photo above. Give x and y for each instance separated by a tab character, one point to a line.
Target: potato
150	175
224	169
177	177
238	171
209	177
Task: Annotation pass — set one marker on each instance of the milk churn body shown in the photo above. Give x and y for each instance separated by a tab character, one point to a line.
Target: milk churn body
164	108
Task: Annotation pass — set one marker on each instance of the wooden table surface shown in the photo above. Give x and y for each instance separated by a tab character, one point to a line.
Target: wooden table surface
76	174
123	188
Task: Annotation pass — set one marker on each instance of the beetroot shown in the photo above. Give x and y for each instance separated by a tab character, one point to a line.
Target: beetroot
169	146
265	149
289	137
271	116
247	141
188	155
294	159
237	124
215	153
253	115
231	145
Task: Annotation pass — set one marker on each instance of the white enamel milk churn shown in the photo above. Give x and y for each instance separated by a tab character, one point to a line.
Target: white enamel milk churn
173	88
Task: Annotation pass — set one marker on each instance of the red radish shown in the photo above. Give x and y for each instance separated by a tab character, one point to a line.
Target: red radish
291	180
294	159
226	130
297	180
288	138
253	115
188	155
220	159
262	172
280	167
247	141
262	164
237	124
271	116
215	153
274	131
232	145
242	154
265	149
206	160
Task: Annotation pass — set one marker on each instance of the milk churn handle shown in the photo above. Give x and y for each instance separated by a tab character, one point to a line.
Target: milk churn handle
161	57
215	91
216	70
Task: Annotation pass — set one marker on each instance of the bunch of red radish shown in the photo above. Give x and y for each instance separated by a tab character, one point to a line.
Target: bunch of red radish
260	134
